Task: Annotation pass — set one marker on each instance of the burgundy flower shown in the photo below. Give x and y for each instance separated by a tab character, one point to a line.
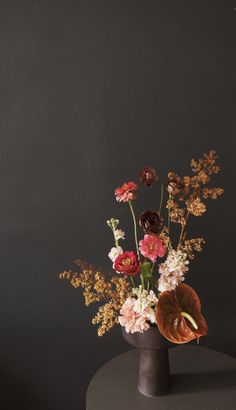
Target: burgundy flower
127	192
148	176
175	184
151	222
127	263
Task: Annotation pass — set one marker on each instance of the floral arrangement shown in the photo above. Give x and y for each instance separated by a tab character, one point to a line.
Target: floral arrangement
146	288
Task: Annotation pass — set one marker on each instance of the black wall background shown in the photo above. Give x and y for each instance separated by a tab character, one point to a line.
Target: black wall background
91	91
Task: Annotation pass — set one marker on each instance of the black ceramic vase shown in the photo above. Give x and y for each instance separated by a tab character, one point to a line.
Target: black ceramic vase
153	377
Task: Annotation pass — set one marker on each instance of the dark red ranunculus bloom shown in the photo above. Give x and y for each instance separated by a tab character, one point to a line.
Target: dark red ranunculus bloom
148	176
127	263
151	222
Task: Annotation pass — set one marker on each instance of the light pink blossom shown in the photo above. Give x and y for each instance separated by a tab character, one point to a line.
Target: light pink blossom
172	270
138	313
114	252
119	234
151	247
132	320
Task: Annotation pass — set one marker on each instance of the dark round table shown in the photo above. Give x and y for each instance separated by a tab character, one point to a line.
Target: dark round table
201	379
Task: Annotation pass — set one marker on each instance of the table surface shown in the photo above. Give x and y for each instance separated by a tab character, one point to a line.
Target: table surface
201	378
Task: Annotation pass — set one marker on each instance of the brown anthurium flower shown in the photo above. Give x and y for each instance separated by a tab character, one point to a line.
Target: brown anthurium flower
178	315
151	222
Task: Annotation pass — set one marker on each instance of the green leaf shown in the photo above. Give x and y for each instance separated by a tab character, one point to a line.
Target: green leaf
146	270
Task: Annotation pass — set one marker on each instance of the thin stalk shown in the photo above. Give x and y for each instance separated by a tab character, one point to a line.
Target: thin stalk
142	281
168	223
161	200
135	228
132	281
182	229
116	241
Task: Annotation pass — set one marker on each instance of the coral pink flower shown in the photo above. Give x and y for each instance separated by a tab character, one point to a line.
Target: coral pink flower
127	263
151	247
127	192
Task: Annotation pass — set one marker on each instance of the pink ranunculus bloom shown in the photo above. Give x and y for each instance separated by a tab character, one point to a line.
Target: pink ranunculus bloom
151	247
127	192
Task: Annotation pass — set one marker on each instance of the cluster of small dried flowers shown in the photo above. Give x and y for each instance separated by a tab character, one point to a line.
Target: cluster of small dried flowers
96	288
186	194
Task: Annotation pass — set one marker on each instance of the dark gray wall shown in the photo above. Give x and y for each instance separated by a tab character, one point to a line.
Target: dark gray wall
90	91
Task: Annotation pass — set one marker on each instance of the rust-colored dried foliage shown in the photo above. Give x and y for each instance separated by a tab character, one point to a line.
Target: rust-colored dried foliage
191	199
114	290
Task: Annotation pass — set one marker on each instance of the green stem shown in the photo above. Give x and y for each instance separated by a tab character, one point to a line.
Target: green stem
168	224
132	281
116	242
161	200
135	228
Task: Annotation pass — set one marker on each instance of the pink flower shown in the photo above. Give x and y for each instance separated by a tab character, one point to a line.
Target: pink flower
137	313
114	252
127	192
151	247
132	320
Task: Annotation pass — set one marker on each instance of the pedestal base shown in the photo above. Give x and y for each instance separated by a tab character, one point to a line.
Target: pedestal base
153	377
201	379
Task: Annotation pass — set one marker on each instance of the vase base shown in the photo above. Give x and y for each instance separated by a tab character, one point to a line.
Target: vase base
163	393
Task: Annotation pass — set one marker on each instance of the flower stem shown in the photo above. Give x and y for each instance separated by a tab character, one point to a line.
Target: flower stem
168	224
142	281
182	230
132	281
135	228
161	200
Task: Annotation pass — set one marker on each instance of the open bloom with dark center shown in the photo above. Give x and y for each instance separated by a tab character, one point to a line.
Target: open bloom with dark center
148	176
175	184
127	263
127	192
178	315
151	247
151	222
